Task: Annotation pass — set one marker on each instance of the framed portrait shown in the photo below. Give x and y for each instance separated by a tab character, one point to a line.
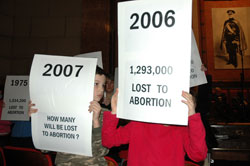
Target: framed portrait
226	44
230	37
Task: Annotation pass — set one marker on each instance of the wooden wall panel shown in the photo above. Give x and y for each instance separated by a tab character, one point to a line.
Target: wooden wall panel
96	30
99	29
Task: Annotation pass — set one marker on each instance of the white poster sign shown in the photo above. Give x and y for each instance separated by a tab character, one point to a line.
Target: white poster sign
97	54
197	77
16	98
154	60
62	88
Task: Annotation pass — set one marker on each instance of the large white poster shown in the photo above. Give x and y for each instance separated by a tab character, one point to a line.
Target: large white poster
197	76
154	60
16	98
62	88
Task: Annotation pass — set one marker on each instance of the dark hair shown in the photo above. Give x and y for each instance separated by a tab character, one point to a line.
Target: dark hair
110	76
99	71
2	87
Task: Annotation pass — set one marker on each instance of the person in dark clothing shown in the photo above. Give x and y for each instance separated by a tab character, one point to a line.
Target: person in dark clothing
233	38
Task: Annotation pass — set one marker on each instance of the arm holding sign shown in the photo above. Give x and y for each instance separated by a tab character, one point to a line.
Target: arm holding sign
31	109
111	136
95	107
194	138
190	102
152	138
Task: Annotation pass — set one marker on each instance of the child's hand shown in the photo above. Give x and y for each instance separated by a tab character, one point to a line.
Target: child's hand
31	110
114	102
203	67
190	101
96	109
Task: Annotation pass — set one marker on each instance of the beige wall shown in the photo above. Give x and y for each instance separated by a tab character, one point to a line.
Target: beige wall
37	26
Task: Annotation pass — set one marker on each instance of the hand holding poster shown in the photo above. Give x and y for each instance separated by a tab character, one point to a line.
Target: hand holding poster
154	60
16	98
62	88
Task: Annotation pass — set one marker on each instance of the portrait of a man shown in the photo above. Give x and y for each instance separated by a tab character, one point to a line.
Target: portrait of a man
230	36
233	38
